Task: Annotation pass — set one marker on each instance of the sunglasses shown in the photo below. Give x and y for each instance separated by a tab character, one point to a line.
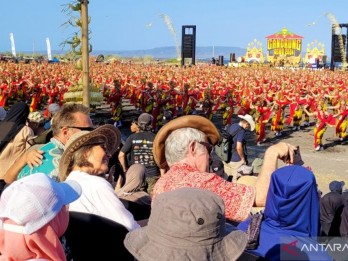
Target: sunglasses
207	145
80	128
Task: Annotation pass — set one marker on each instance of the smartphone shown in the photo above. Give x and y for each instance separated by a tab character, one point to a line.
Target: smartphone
297	157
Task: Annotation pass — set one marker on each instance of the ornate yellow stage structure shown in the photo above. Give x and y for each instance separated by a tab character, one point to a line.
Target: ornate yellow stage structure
284	48
314	51
254	52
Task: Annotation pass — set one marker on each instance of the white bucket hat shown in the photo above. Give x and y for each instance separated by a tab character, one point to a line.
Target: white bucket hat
33	201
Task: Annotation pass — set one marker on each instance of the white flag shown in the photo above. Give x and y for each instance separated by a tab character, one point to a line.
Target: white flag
13	47
49	54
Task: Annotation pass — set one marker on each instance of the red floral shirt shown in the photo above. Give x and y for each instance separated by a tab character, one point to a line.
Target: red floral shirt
238	198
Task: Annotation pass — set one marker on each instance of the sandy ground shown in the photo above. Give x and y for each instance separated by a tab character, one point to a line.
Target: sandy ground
327	165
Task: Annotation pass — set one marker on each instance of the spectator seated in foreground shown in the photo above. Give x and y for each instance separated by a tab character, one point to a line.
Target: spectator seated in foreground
291	217
85	160
133	192
186	224
33	216
331	206
183	147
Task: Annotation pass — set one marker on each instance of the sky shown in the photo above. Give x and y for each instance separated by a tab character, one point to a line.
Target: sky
119	25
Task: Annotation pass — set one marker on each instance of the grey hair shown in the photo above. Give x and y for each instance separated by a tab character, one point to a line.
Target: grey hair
177	144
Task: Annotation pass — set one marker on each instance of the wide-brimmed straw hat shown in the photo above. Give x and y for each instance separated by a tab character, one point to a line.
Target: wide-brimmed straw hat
249	119
108	134
193	121
186	224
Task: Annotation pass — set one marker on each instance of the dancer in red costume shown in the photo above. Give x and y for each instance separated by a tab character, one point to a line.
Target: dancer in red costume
35	100
225	103
207	104
147	98
3	96
263	111
171	97
190	99
277	123
160	100
296	111
342	119
115	100
323	119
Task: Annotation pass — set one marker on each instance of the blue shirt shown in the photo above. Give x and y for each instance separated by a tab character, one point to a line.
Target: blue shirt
239	137
53	151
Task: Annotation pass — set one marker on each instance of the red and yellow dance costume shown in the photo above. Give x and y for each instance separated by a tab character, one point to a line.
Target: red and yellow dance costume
115	100
296	114
208	104
323	119
172	100
190	100
3	96
261	116
342	121
158	109
225	104
277	122
35	100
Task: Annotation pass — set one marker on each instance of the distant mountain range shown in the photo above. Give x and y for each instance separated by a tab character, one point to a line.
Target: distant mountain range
170	52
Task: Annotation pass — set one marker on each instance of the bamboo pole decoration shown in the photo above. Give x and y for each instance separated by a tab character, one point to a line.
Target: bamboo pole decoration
85	53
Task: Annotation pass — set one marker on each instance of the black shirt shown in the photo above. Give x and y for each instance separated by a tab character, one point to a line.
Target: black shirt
139	146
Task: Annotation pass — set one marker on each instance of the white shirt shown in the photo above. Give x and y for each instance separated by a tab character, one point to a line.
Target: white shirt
99	198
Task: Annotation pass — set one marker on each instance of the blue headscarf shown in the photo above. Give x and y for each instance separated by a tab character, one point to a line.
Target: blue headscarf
291	212
292	204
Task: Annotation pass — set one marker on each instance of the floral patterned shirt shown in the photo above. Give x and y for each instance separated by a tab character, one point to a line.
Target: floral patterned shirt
238	198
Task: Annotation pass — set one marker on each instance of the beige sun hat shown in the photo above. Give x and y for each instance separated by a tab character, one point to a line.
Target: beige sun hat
108	134
197	229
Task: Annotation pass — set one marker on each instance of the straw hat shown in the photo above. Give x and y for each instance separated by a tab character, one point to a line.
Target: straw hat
108	134
193	121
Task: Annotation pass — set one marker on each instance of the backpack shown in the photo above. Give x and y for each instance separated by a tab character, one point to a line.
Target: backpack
224	147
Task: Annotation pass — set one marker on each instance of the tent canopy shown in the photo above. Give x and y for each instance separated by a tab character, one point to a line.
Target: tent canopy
54	60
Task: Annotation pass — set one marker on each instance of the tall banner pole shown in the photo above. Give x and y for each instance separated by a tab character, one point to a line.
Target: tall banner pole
13	47
48	44
85	53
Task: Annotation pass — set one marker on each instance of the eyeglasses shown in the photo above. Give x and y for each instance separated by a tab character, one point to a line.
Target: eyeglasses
207	145
80	128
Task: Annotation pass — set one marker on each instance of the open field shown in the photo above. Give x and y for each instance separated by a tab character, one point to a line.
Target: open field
327	165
